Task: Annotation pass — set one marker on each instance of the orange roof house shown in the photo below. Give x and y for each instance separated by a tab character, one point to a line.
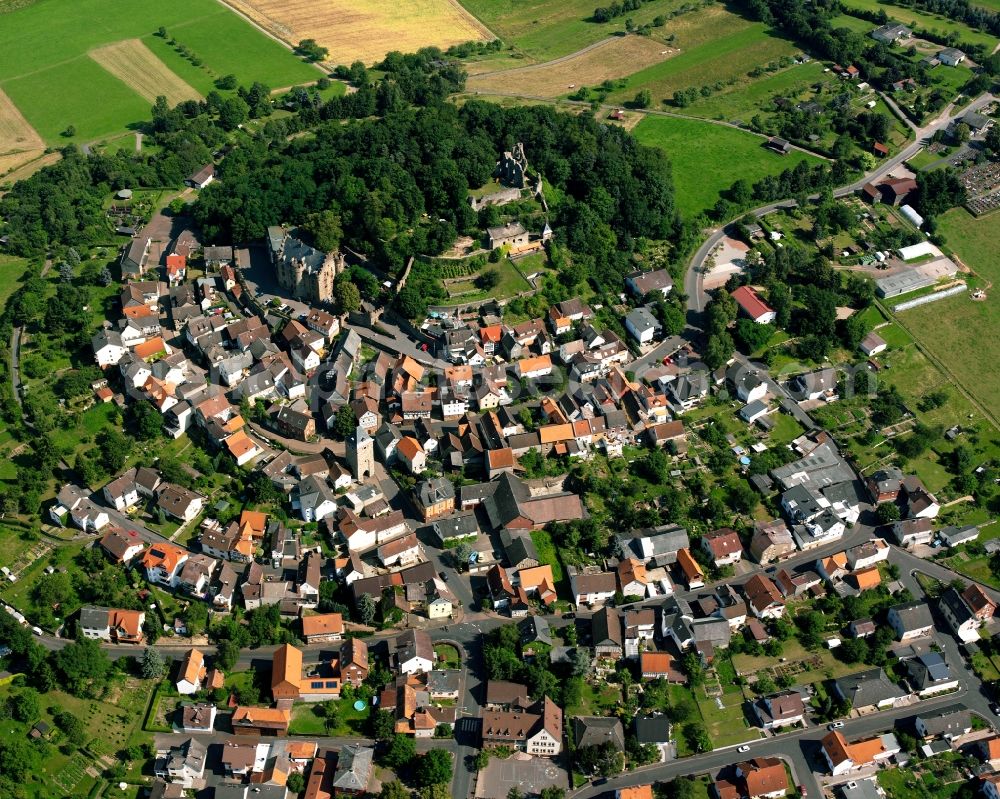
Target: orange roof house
659	664
151	348
126	625
254	523
636	792
538	580
165	557
268	720
240	445
325	626
192	672
689	566
286	673
868	578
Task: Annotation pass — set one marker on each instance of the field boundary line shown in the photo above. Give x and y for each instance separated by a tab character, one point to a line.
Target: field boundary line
270	34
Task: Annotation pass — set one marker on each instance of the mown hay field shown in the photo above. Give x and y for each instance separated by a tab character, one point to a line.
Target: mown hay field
615	58
16	135
365	30
137	67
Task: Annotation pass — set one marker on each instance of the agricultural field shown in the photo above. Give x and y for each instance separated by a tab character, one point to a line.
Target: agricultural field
610	59
918	19
541	30
716	46
137	67
733	154
49	72
946	327
365	31
19	143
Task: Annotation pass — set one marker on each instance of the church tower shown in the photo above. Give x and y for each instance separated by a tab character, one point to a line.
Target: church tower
361	454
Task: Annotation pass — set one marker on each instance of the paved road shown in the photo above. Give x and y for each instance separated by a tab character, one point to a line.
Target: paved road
693	278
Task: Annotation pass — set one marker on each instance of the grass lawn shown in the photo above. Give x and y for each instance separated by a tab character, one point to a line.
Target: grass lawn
546	29
786	429
731	153
446	657
945	327
744	99
547	553
308	719
11	271
46	70
919	19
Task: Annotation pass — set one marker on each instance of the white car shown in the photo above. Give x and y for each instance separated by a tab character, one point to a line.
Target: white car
743	748
835	726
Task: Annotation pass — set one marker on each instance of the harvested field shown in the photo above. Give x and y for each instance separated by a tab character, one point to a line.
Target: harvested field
16	135
610	59
367	29
137	67
11	162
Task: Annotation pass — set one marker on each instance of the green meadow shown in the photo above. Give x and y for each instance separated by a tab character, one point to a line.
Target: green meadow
708	158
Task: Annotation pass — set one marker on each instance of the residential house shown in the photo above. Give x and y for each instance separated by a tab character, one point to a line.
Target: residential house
868	690
354	662
414	652
597	731
163	563
591	588
911	532
763	597
929	674
775	711
948	722
959	616
723	546
182	764
753	306
606	633
690	569
192	673
842	757
771	541
322	628
121	545
910	620
112	625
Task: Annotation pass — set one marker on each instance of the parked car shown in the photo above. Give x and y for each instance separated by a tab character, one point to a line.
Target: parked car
835	726
743	748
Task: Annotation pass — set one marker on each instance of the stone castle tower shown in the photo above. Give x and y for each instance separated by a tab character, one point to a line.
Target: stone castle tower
305	271
361	454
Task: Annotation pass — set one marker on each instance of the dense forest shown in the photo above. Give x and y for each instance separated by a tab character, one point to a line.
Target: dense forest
399	183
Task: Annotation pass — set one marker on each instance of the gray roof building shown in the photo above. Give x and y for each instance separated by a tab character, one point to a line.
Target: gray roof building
871	688
596	730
